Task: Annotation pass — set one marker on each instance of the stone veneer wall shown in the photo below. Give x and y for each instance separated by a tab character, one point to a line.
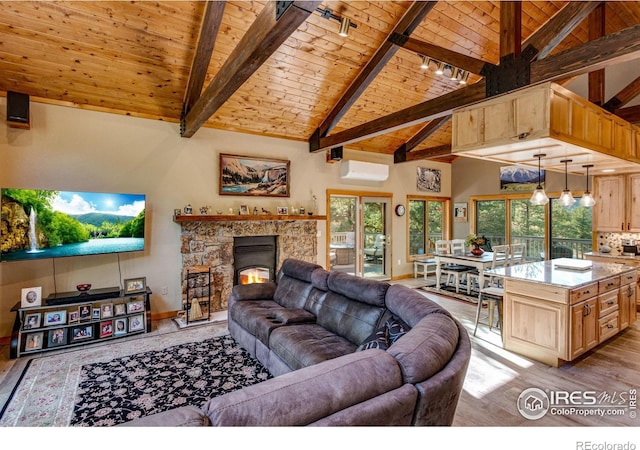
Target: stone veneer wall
614	240
210	243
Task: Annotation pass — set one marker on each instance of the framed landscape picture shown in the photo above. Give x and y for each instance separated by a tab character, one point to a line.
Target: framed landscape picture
518	178
254	176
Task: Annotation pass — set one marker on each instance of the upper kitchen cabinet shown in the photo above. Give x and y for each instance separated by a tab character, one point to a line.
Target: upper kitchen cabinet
546	119
617	205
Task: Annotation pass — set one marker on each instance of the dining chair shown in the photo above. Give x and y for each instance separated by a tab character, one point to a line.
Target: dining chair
517	254
493	290
453	272
500	259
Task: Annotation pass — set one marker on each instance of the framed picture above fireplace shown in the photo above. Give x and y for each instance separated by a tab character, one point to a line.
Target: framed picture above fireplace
254	176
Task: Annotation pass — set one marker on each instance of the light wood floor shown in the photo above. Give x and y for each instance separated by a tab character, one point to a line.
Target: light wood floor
496	377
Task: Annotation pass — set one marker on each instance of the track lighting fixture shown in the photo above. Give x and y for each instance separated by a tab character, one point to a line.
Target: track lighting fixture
345	22
425	62
539	196
587	198
440	68
455	72
566	199
464	77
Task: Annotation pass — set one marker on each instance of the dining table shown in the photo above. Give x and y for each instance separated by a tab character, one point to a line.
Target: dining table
480	262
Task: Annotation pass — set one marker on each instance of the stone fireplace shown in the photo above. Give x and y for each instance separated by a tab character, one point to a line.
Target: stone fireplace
254	259
209	241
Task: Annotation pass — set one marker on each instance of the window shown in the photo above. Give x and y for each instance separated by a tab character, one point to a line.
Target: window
512	219
427	224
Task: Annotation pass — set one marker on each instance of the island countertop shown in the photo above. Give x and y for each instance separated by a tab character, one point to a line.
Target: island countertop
548	272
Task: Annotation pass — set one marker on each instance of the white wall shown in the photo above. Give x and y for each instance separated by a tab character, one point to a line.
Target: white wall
75	149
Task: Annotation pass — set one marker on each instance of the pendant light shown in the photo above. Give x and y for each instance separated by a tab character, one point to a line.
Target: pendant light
539	197
566	199
587	198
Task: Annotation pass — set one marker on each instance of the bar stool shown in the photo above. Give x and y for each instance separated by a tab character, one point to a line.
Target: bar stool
494	289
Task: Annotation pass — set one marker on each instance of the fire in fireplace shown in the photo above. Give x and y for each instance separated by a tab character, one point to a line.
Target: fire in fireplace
254	259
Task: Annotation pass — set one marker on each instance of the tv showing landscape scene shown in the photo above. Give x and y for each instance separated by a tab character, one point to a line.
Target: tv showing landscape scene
38	224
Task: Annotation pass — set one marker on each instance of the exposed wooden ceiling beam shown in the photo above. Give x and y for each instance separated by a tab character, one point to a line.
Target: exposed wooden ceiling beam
209	28
628	93
413	115
510	29
553	32
264	37
430	153
630	113
456	59
614	48
406	25
596	78
401	154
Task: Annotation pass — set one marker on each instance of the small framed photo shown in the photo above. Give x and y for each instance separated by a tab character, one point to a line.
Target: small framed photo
107	311
120	327
460	212
136	323
55	318
244	210
119	309
135	306
95	313
31	297
81	333
57	336
106	328
34	341
74	316
84	312
133	285
283	210
31	321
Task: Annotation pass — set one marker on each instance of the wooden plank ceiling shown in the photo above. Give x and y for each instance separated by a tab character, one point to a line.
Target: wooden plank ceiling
136	58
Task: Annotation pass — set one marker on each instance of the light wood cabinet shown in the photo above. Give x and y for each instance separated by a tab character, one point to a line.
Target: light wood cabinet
584	331
617	205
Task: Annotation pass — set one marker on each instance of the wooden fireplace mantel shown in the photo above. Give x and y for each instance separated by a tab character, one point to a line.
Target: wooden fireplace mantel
245	217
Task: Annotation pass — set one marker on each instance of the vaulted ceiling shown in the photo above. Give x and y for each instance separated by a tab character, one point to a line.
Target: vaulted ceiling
296	77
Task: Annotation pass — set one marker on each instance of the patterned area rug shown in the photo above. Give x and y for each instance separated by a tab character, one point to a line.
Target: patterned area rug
50	386
127	388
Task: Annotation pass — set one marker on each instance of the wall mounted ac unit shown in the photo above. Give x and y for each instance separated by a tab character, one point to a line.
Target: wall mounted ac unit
365	171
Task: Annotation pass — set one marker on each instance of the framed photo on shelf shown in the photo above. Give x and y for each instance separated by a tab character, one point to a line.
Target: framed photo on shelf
119	309
107	310
136	323
33	341
74	316
244	210
106	328
55	318
254	176
31	297
81	333
96	313
283	210
84	312
31	321
120	327
133	285
135	306
57	336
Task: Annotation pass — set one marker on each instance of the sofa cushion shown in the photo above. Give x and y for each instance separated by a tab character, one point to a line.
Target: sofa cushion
300	270
310	394
426	348
304	345
319	279
385	336
371	292
409	305
247	313
346	317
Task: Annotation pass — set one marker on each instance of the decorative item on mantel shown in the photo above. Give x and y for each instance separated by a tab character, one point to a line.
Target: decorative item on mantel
188	209
476	242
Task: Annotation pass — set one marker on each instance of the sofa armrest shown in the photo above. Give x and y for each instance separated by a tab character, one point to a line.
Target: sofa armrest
333	385
287	316
253	291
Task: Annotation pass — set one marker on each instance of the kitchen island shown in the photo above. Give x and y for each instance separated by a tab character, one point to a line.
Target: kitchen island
554	311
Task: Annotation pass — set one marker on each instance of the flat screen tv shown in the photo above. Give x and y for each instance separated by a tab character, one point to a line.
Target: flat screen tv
40	224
